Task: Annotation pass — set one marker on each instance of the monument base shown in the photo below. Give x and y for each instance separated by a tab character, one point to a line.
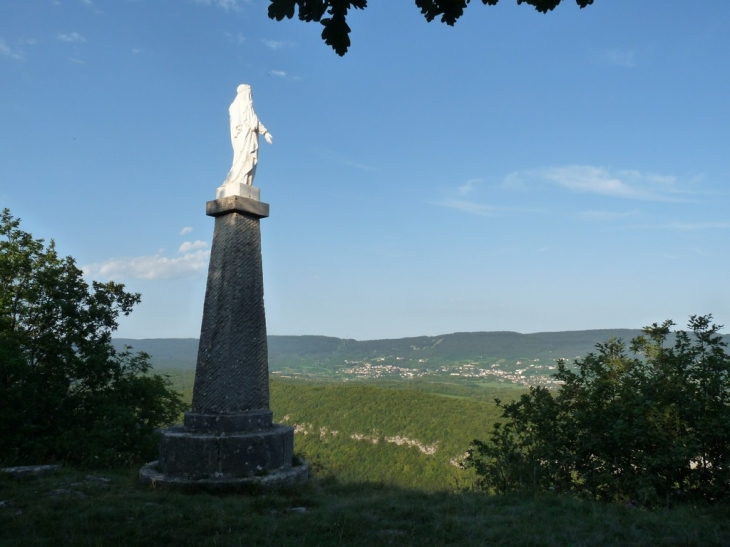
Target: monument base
226	460
279	479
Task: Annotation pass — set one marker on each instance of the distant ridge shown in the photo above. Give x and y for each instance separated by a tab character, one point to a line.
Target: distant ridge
166	353
287	351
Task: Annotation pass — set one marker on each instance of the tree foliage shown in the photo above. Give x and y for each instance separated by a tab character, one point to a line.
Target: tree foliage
648	428
332	14
65	392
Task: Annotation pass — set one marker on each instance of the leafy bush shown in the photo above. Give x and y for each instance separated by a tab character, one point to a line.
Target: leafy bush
652	428
65	392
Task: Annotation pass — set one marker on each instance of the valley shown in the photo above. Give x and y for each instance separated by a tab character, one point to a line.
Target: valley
481	357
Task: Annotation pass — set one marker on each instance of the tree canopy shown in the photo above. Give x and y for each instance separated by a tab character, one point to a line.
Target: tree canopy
65	393
332	14
647	429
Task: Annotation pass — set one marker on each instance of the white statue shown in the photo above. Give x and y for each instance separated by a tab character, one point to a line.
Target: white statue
245	131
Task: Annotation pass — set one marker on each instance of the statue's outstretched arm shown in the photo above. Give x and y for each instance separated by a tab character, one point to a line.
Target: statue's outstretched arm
265	132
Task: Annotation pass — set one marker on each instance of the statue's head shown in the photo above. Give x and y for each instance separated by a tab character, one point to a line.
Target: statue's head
244	89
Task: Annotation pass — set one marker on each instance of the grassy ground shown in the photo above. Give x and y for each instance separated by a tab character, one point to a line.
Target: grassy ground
83	508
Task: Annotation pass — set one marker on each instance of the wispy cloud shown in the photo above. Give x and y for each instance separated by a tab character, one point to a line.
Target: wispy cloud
276	44
186	230
467	207
188	246
601	216
284	75
345	161
71	37
696	225
191	262
13	53
625	184
685	254
618	57
467	187
224	4
583	178
237	38
461	200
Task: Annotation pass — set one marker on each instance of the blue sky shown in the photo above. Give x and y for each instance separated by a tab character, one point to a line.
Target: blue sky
518	171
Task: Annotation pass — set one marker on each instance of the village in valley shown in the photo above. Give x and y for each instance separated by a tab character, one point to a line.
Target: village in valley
528	372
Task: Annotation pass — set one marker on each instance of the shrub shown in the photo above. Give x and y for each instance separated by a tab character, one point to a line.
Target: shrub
648	428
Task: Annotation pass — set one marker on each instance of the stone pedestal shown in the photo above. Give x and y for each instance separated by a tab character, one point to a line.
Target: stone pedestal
238	189
228	440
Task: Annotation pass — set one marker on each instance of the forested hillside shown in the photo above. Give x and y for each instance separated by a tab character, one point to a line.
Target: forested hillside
509	357
402	437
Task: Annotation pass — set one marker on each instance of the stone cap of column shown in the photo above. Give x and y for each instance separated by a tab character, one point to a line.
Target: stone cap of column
237	204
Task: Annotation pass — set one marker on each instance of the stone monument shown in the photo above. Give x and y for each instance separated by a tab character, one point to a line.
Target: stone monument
228	440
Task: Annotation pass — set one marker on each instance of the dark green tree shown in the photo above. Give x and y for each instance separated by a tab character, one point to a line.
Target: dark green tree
65	393
332	14
648	428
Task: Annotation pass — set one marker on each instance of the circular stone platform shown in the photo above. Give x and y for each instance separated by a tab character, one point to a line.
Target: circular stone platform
278	479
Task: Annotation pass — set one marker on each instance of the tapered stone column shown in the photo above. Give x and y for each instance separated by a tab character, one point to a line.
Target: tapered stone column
228	439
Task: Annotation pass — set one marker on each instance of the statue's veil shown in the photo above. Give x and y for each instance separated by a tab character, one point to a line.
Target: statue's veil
244	135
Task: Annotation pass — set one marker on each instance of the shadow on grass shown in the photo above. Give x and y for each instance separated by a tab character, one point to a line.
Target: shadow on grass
78	508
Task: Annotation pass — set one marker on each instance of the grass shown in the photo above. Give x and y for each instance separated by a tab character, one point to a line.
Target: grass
83	508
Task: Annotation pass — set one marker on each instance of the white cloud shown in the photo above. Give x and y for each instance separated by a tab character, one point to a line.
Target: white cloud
597	180
344	161
584	178
193	260
275	44
461	202
618	57
514	180
282	74
697	225
7	51
633	176
88	2
225	4
606	215
188	246
150	267
466	188
467	207
235	39
72	37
